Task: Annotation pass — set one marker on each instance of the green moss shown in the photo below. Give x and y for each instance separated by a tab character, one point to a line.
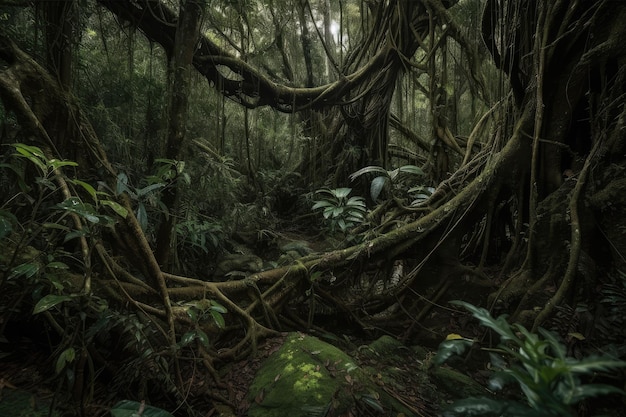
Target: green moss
303	375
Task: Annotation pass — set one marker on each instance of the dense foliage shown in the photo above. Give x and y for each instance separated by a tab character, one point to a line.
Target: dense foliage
182	180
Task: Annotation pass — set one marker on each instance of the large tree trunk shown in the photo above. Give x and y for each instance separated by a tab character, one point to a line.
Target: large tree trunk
180	67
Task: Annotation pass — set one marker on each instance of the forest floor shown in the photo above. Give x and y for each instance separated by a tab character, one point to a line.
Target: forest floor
29	386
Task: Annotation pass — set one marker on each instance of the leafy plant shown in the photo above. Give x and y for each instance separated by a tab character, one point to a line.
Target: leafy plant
340	211
549	380
200	234
384	177
52	209
200	311
167	172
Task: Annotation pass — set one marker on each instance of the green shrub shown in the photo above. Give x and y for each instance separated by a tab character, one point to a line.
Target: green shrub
549	380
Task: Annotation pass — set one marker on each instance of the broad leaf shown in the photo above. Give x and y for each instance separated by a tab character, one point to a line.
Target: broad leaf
87	187
116	207
122	185
322	203
449	348
67	356
357	202
218	318
342	192
218	307
377	186
148	189
49	301
202	337
75	205
27	270
411	169
187	338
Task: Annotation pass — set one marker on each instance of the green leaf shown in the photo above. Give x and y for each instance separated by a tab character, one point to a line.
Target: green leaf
411	169
56	164
215	306
328	212
127	408
148	189
499	325
218	318
75	205
356	218
449	348
33	154
49	301
26	270
87	187
337	211
357	202
192	312
377	186
142	216
203	338
67	356
74	234
187	338
342	192
594	363
368	169
322	203
121	186
116	207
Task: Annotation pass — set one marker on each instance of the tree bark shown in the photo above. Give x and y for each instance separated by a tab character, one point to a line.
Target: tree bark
180	67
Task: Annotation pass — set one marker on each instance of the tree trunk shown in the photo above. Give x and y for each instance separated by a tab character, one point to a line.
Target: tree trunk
180	67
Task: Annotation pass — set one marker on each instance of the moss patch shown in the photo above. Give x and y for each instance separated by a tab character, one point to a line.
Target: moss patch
302	376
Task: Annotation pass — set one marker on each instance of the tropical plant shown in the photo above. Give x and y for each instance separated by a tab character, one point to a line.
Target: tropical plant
200	235
549	380
340	211
393	178
38	279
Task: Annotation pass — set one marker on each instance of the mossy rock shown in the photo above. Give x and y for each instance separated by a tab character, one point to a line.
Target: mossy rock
304	376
